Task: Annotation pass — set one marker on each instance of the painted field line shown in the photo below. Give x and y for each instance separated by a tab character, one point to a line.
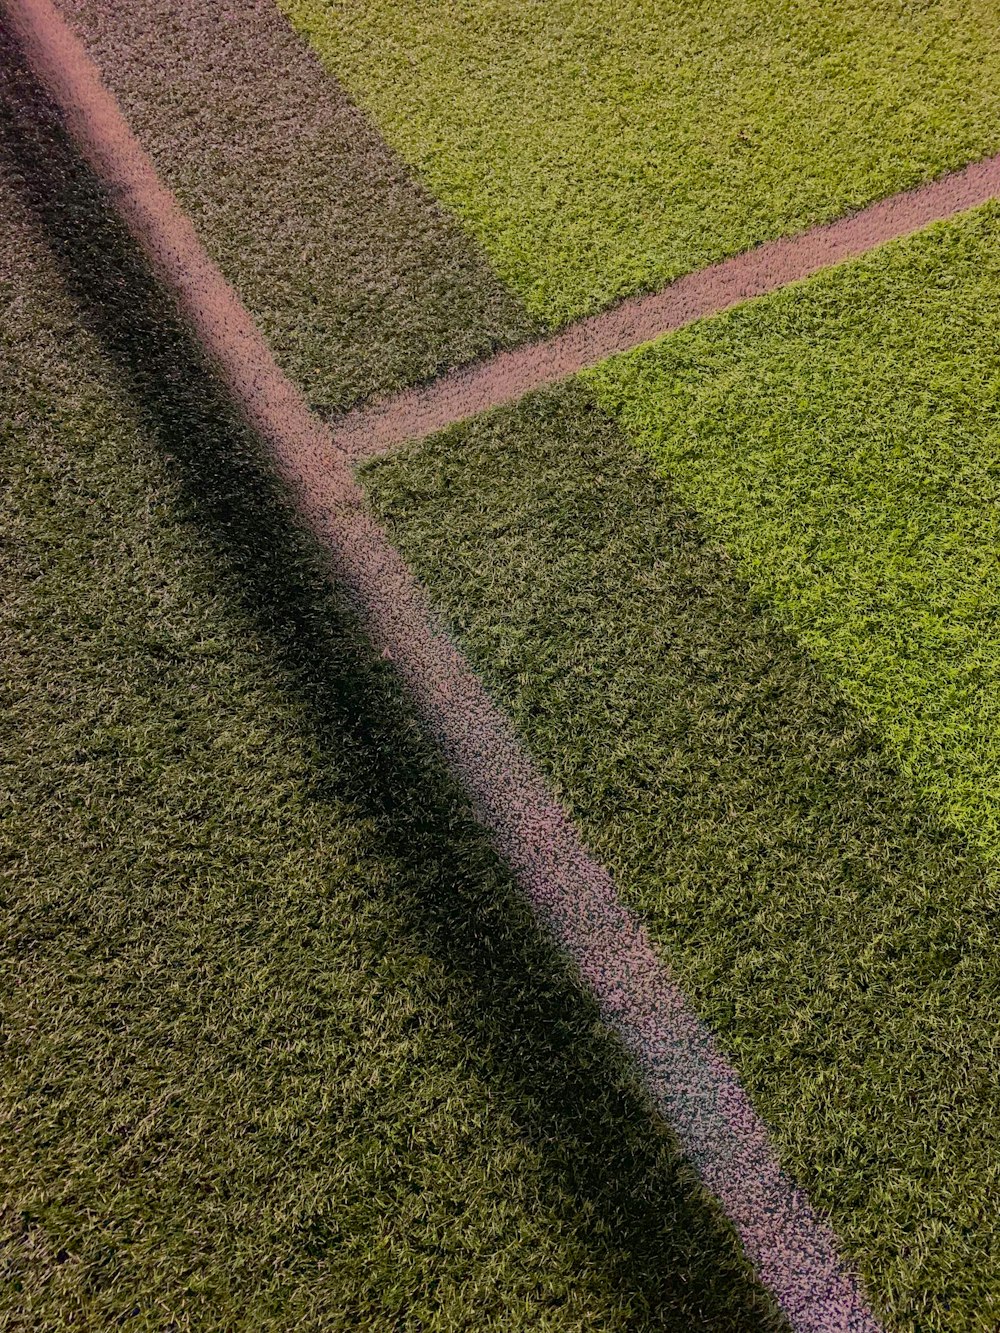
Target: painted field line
373	430
793	1250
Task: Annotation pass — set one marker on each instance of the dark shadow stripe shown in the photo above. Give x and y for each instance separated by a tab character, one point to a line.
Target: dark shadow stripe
561	1081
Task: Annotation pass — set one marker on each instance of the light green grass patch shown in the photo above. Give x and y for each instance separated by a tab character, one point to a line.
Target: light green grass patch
843	438
596	149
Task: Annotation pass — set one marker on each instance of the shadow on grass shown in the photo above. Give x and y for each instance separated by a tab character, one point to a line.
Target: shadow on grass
560	1078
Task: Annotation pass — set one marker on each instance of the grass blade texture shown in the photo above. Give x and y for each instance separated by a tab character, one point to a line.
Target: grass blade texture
280	1048
838	938
596	148
359	280
842	437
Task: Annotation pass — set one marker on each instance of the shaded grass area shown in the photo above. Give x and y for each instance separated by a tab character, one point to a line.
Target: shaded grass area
842	437
280	1046
837	938
597	149
358	278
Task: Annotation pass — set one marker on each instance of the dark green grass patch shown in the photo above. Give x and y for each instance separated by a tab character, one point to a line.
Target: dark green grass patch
599	147
279	1047
843	438
358	278
837	938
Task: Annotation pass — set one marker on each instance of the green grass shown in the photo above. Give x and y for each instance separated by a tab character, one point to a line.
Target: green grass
279	1047
838	938
358	279
842	438
596	149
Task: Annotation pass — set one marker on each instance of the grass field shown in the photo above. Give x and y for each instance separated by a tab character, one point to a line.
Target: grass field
358	277
833	932
595	150
280	1048
282	1044
842	439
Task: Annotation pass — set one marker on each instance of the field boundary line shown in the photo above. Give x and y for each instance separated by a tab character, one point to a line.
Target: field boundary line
376	429
791	1247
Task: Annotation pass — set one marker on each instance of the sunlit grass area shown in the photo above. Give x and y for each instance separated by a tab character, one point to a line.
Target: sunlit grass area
595	149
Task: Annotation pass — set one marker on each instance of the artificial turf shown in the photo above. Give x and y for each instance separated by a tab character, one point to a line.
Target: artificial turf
839	939
360	281
841	437
280	1048
598	148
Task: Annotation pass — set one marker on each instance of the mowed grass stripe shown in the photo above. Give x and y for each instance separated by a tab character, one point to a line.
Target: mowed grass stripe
358	278
834	934
842	439
281	1048
598	149
68	180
